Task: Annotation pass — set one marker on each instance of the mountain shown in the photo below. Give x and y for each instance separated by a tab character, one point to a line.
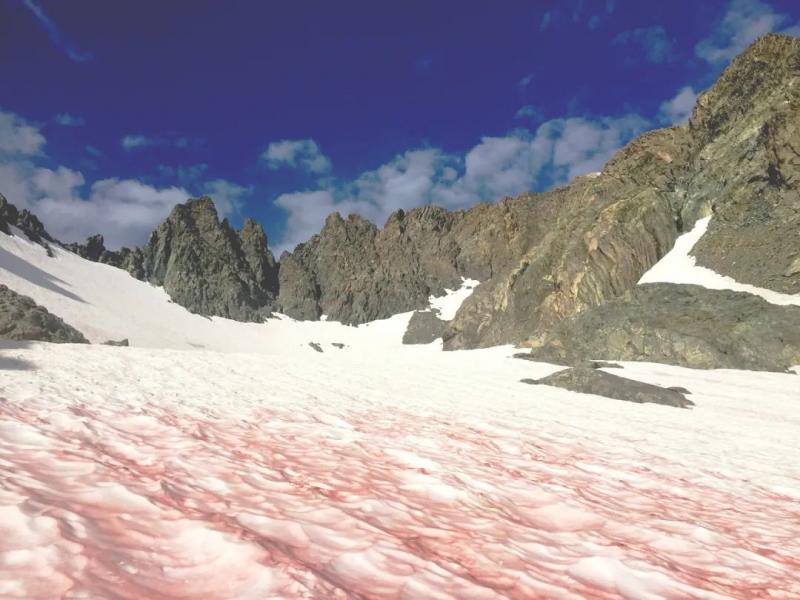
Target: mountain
202	263
547	262
543	258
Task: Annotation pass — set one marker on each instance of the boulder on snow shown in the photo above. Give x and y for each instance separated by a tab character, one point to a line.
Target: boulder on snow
593	381
424	327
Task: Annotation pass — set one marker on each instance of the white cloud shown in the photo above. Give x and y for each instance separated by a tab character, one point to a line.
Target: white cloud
526	80
228	196
494	168
68	120
528	112
302	154
135	141
17	136
138	141
679	108
125	211
653	41
743	23
56	37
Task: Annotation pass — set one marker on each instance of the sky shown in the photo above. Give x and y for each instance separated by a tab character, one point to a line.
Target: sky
113	112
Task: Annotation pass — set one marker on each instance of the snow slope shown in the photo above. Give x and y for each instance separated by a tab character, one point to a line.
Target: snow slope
139	473
106	303
678	266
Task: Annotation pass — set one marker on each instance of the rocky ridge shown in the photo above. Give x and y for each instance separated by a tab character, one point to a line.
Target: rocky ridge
544	259
202	262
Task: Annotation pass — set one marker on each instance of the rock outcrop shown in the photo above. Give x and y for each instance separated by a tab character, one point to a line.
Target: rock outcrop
424	327
682	325
208	267
23	220
22	319
593	381
746	167
203	264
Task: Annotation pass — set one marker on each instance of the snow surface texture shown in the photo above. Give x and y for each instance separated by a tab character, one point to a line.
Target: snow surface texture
678	266
139	473
375	471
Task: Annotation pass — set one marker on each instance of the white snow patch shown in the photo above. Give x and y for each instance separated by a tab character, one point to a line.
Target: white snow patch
449	304
678	266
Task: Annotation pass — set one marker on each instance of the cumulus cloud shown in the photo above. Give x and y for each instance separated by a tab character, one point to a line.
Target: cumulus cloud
54	33
228	196
125	211
18	136
653	41
679	108
68	120
743	22
494	168
297	154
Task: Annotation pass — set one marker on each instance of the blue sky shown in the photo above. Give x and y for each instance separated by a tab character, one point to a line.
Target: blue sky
111	112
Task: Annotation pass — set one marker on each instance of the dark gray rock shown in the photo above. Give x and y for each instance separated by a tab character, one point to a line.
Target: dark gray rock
203	264
209	268
121	343
600	383
24	220
131	260
747	167
338	345
424	327
316	346
22	319
683	325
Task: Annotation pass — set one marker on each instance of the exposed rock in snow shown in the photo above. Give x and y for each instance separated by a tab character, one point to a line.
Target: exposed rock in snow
587	380
679	324
22	319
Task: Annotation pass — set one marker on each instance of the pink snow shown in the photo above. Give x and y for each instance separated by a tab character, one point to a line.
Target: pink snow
132	473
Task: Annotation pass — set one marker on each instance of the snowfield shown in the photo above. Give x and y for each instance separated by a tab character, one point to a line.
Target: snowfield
221	460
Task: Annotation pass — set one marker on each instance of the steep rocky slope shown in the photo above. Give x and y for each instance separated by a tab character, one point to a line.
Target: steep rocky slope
545	257
22	319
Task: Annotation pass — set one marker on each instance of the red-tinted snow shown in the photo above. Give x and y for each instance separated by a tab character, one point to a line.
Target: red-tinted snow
129	473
